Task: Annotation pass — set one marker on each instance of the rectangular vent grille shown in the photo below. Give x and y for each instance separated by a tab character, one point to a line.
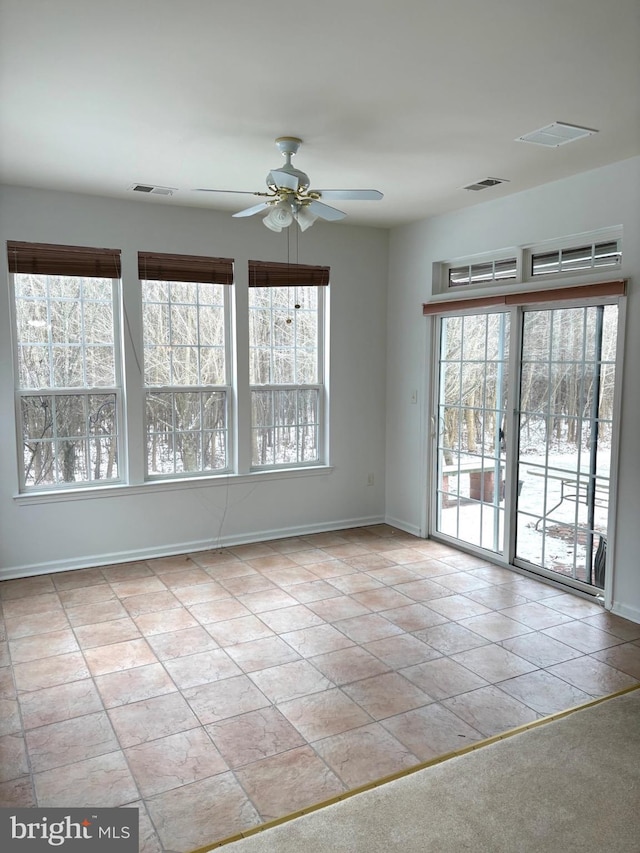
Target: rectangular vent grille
484	273
147	188
485	184
577	258
556	134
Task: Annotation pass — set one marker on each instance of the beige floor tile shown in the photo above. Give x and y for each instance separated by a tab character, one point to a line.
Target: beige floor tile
7	686
13	757
572	605
431	568
148	840
199	593
227	698
312	591
240	630
176	644
218	611
78	578
383	599
493	662
625	657
292	618
323	714
117	656
540	650
150	602
457	607
495	626
544	692
10	722
201	668
28	626
403	650
17	793
271	562
70	741
103	633
593	676
167	565
252	550
379	567
195	815
490	711
152	718
536	615
185	577
138	586
351	664
40	646
385	695
63	702
443	678
423	589
317	640
431	731
175	760
269	599
615	625
451	638
133	685
253	736
367	628
582	637
90	614
105	779
414	617
364	755
126	571
497	597
288	782
290	680
47	672
26	587
463	582
308	555
356	582
163	621
247	583
87	595
330	570
261	654
340	607
30	605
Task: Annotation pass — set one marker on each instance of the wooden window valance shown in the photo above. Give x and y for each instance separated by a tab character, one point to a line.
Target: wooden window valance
198	268
270	274
583	291
51	259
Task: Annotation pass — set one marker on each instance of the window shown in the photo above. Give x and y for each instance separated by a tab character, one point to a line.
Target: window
186	363
483	273
93	410
592	257
575	257
68	390
285	335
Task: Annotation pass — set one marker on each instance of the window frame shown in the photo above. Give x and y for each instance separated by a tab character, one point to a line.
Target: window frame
183	269
285	276
51	261
524	255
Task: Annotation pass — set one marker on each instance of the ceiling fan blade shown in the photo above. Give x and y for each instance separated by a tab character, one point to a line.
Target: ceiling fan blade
324	211
361	195
249	211
236	192
285	180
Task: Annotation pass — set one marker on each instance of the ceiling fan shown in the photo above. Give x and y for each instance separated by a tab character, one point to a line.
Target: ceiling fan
289	197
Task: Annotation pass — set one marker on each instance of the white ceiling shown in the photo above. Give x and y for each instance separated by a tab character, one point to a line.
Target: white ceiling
416	98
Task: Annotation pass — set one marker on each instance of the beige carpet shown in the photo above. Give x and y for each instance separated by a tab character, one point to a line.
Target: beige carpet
570	784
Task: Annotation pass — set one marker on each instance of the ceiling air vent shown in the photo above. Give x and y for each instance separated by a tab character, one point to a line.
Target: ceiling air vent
486	183
556	134
151	190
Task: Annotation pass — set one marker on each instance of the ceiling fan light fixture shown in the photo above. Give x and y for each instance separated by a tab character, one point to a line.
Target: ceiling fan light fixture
304	217
279	217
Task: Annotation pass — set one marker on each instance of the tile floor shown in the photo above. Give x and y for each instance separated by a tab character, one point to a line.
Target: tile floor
222	689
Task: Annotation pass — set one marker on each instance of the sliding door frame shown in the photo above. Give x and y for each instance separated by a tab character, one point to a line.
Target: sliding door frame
516	305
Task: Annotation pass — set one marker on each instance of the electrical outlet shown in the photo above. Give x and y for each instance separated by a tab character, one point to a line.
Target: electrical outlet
414	396
370	480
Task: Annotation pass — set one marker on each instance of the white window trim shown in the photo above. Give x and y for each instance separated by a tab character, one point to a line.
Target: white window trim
56	489
524	277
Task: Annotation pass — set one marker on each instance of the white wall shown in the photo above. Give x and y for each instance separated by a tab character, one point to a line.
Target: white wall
154	520
605	197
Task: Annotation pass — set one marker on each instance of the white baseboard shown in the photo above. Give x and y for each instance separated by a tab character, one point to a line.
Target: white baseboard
626	612
403	525
95	560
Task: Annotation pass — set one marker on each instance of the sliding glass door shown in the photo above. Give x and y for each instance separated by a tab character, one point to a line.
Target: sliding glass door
548	377
473	391
565	421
